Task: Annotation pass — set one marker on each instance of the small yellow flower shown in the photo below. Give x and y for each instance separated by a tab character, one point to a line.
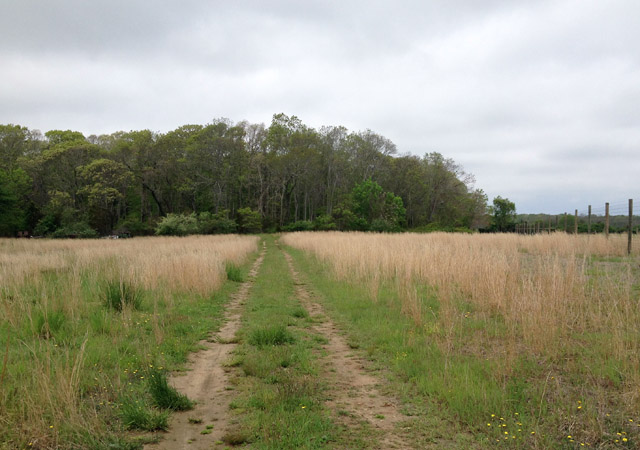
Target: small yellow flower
624	439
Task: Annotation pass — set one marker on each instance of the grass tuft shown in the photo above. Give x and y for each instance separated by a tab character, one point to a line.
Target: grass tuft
165	396
136	415
234	273
118	294
274	335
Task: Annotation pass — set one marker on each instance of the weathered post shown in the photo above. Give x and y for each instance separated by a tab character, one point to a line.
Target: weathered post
630	226
565	222
606	219
589	221
575	223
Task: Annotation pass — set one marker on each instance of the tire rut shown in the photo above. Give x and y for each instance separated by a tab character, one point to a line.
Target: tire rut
351	388
207	383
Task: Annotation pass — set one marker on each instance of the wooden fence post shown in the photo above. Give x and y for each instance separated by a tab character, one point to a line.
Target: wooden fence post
630	232
575	223
606	219
565	222
589	221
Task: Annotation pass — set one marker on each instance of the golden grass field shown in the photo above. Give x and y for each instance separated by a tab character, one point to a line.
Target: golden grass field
568	303
64	354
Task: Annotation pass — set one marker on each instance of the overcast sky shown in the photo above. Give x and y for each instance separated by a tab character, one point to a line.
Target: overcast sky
540	100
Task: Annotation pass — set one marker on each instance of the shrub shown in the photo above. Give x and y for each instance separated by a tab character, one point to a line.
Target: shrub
274	335
117	294
324	223
77	230
300	225
218	223
249	221
165	396
178	225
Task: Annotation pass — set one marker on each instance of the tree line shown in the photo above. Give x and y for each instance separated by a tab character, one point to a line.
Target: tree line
227	177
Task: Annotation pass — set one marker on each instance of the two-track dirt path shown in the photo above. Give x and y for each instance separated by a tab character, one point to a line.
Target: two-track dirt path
207	383
350	387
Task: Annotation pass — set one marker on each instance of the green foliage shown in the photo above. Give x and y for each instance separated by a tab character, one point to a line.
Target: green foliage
234	273
165	396
219	223
75	230
49	324
14	186
46	225
118	294
324	223
133	226
254	178
178	225
300	225
503	214
249	221
137	415
272	335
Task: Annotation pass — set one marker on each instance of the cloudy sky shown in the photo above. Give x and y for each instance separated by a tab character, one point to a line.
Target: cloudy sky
539	99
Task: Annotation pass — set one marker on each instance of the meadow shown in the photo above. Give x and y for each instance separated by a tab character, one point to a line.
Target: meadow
527	341
484	340
89	327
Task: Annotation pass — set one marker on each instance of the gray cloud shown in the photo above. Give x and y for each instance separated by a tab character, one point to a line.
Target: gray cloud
538	99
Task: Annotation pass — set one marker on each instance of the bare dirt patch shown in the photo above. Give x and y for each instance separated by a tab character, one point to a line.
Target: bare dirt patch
354	393
207	383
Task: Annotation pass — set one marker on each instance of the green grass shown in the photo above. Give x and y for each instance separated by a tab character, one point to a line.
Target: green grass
137	415
100	353
271	335
446	394
454	384
280	401
234	273
165	396
119	294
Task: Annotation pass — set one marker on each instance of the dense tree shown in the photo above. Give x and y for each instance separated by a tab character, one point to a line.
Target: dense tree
226	177
503	214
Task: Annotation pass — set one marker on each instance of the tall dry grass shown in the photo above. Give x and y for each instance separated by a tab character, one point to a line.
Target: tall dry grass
61	284
555	294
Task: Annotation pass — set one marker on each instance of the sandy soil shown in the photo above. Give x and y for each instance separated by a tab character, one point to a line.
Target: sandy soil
207	383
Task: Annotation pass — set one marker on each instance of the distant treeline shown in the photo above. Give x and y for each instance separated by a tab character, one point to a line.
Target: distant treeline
224	177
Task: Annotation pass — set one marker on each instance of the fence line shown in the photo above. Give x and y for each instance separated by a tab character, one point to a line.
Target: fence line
592	220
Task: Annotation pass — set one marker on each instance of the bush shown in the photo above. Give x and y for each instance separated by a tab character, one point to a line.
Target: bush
274	335
75	230
178	225
249	221
134	226
165	396
300	225
382	225
118	294
324	223
216	223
